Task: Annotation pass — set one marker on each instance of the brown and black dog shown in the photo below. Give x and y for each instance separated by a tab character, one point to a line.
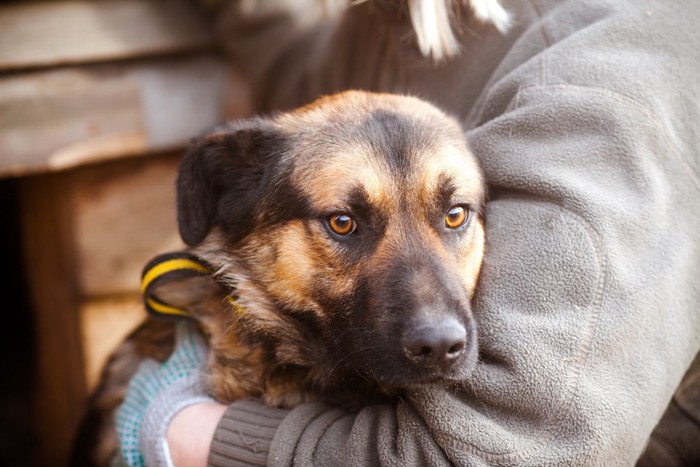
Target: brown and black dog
349	232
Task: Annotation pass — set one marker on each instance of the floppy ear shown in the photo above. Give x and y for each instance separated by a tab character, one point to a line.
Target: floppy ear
219	179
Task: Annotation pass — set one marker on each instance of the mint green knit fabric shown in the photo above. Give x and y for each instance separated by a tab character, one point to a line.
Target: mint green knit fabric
155	394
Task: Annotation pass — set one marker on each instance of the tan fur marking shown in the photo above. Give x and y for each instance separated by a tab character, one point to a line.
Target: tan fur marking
289	277
350	169
471	257
455	162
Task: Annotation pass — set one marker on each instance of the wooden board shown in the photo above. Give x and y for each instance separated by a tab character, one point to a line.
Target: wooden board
49	266
104	323
86	235
48	119
57	119
39	34
124	215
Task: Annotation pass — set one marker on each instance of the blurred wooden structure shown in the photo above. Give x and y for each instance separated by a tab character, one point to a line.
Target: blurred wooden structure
97	101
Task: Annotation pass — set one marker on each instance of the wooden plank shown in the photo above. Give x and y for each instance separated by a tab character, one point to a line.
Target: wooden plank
105	323
57	119
124	215
48	118
88	232
41	33
50	266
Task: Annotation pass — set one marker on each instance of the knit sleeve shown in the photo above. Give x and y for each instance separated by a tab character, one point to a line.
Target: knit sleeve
244	434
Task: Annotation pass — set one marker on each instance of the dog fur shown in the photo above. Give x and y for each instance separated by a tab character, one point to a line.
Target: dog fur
326	313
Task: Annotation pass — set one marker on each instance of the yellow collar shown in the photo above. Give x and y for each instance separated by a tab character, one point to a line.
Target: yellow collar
173	266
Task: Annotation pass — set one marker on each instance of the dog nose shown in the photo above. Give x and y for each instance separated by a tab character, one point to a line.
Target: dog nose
432	344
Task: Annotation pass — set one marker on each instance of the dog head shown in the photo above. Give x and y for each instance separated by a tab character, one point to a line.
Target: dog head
351	231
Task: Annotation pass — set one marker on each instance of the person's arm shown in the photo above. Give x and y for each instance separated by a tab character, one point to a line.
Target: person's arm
588	300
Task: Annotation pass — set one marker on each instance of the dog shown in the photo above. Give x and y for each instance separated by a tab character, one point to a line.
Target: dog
345	240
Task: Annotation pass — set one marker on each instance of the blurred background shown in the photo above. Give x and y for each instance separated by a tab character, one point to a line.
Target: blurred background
98	100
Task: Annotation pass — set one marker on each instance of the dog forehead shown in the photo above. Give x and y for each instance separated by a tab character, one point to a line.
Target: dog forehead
453	167
351	172
381	146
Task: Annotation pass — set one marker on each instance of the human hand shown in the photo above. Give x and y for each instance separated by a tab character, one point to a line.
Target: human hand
156	394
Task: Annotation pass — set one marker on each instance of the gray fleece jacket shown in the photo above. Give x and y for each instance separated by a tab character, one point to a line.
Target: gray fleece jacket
586	119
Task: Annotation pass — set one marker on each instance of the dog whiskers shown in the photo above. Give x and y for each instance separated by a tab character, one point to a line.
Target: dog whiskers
347	356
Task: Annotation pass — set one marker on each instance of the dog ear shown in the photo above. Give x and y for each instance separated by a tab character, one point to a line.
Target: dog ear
219	178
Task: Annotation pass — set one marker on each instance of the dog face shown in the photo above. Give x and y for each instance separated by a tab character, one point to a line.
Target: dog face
350	230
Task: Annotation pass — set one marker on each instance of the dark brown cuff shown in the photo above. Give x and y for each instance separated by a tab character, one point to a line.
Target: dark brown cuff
244	434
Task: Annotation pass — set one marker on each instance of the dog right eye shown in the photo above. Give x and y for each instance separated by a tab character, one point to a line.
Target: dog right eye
341	224
456	217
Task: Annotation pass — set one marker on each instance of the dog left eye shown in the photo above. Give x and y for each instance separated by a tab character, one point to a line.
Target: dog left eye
341	224
456	217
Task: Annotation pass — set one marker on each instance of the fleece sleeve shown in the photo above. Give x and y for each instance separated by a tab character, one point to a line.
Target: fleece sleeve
588	300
